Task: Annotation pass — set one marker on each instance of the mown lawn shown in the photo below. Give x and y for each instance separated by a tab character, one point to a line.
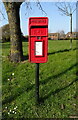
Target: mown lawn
57	84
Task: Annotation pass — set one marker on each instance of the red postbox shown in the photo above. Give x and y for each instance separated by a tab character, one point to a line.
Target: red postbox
38	39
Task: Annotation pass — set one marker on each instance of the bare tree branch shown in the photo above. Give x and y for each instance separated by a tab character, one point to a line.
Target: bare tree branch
63	8
29	7
66	9
73	10
40	7
70	7
2	15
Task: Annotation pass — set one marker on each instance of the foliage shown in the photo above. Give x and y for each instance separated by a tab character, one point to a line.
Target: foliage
57	84
5	33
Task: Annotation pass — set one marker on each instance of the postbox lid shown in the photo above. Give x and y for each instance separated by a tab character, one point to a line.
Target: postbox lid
38	21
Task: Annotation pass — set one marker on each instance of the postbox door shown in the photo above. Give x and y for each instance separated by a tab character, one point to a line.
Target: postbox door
38	50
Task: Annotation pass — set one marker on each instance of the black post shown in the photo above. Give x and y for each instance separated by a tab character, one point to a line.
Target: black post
71	31
37	82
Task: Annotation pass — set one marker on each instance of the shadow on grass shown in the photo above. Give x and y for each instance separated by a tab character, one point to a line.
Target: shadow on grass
56	91
28	88
60	51
54	77
58	75
16	94
66	50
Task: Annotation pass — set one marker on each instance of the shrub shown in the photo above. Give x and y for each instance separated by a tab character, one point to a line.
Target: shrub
5	33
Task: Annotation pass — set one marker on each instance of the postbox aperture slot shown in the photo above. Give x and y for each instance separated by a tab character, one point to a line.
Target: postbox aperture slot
38	48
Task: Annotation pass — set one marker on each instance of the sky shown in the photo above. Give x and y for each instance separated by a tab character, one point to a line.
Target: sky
57	22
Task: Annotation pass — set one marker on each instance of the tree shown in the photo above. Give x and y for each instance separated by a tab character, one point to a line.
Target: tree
12	9
67	9
62	34
5	33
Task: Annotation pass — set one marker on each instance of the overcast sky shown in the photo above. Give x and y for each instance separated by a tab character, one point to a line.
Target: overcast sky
57	22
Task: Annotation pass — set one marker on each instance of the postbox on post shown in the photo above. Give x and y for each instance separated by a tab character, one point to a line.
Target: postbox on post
38	39
38	45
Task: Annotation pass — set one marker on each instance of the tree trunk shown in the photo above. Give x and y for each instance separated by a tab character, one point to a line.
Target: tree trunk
16	53
71	31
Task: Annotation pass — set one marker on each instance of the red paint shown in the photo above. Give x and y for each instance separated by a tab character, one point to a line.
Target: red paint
38	32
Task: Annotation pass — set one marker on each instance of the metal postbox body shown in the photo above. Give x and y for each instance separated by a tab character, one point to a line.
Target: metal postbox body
38	39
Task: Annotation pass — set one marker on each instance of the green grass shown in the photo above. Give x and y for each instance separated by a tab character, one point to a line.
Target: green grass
57	84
